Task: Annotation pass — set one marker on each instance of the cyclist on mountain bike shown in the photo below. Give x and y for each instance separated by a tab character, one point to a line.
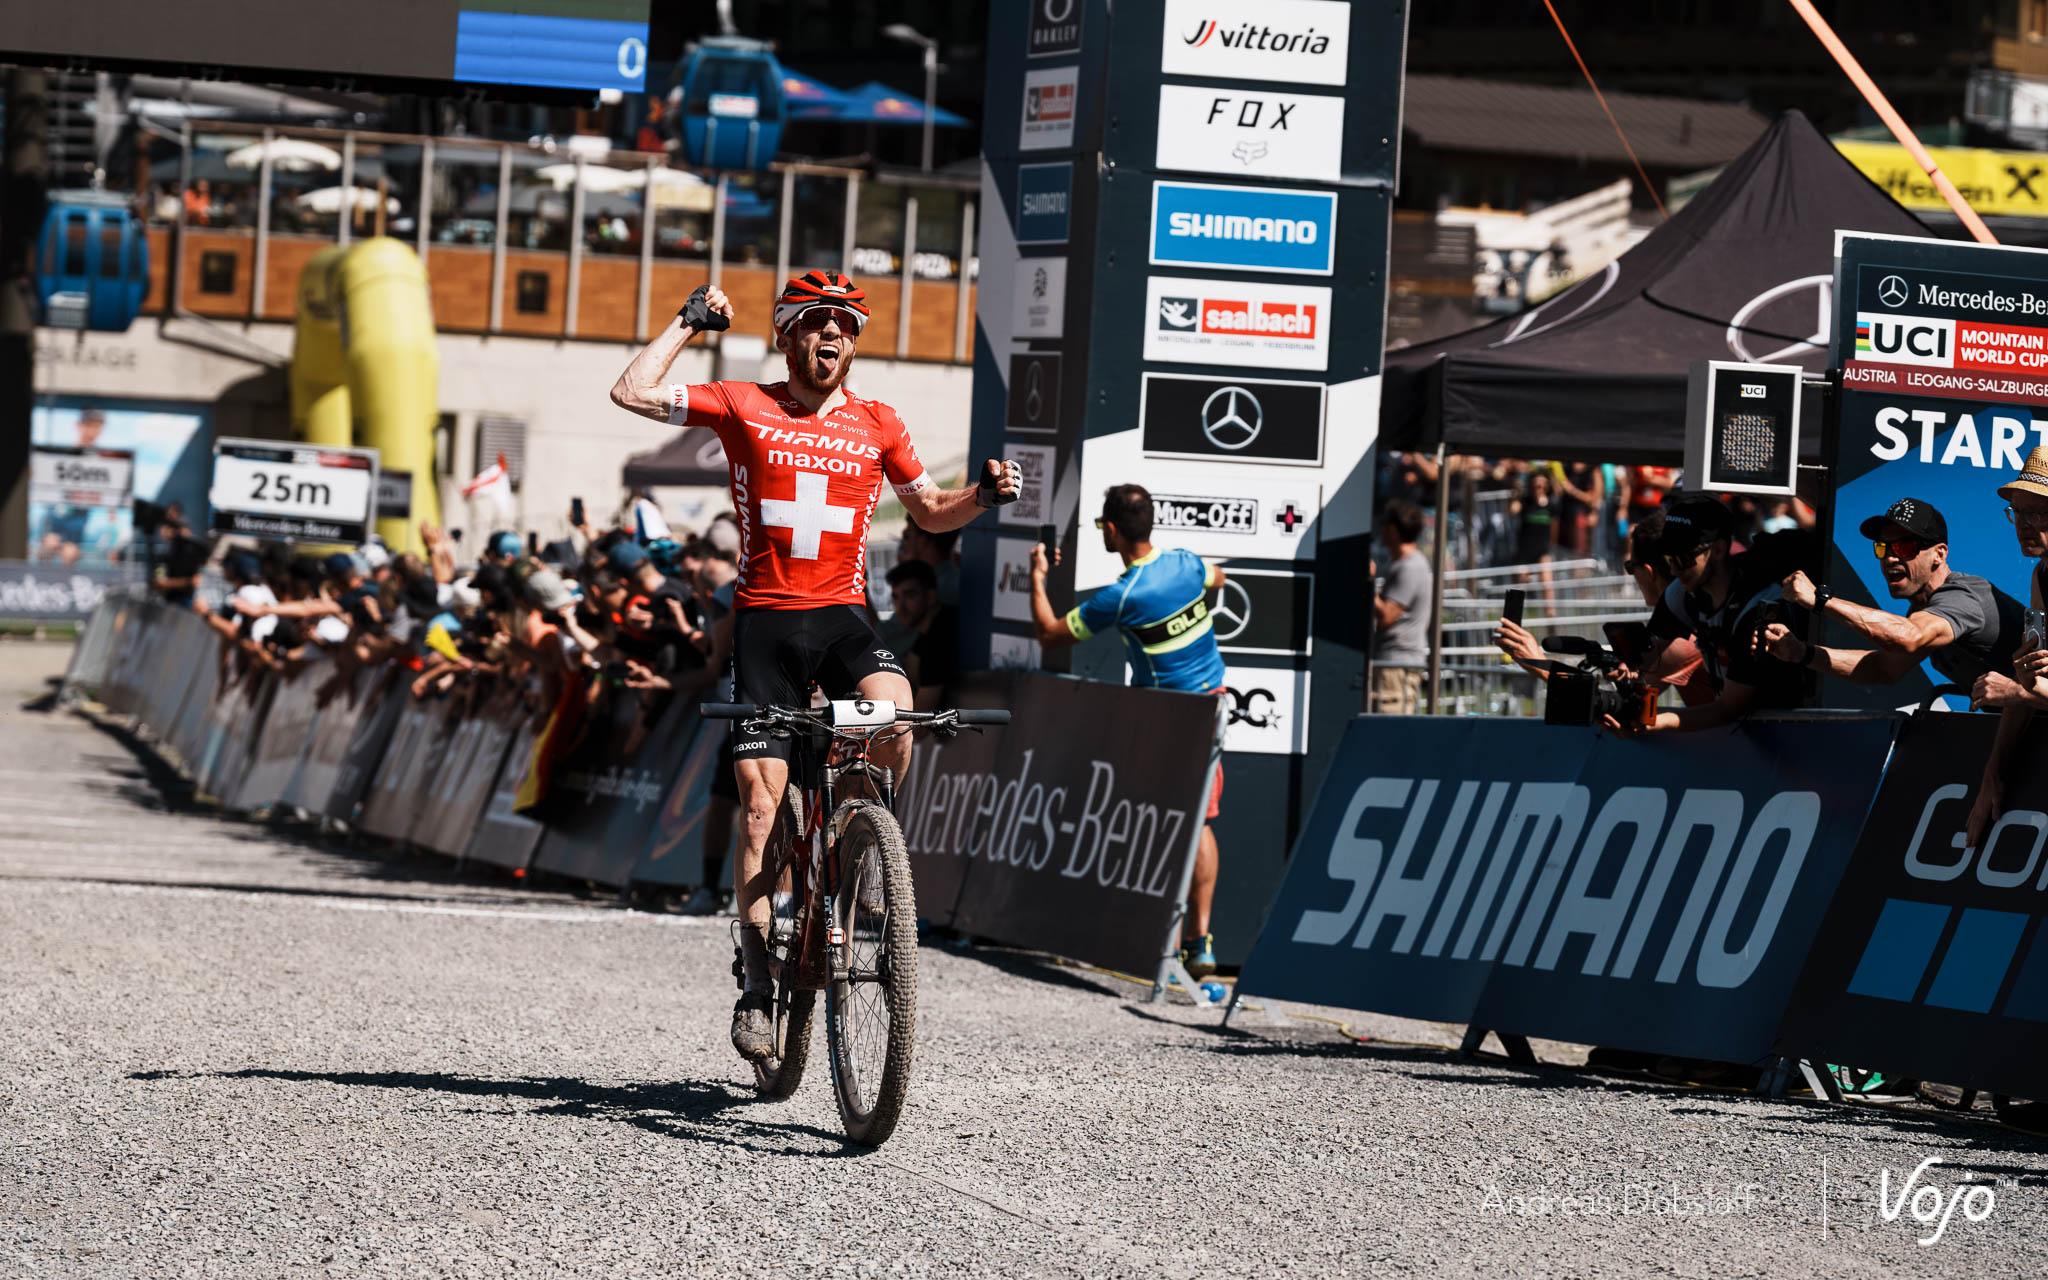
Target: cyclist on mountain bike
807	459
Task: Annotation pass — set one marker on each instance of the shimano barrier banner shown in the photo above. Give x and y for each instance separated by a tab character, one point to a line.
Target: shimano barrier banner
1656	894
1067	830
1932	961
1943	348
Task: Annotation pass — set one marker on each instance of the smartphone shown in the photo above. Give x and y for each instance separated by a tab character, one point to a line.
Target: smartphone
1049	538
576	512
532	543
2034	631
1511	611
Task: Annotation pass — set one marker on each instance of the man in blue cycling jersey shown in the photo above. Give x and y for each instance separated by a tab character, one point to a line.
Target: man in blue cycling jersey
1161	605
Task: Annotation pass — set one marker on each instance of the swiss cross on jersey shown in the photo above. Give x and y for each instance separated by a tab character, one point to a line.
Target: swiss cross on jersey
804	486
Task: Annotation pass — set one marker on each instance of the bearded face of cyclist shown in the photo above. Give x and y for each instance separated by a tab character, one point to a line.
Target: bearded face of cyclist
818	345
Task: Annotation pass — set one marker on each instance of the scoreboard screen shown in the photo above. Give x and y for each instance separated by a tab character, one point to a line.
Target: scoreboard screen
583	45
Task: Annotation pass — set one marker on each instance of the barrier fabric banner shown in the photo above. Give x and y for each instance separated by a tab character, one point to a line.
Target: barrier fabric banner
450	809
1932	960
675	849
605	796
1655	894
505	837
1068	829
383	703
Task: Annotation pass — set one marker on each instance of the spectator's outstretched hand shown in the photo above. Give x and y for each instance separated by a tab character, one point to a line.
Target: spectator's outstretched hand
1518	642
639	676
1781	644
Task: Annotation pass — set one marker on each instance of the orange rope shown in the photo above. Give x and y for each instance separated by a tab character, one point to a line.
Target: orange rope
1602	99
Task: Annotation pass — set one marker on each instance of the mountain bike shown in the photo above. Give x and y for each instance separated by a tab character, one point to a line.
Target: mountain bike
845	918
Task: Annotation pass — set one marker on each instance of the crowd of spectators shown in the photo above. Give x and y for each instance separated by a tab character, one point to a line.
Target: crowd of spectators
1513	511
635	605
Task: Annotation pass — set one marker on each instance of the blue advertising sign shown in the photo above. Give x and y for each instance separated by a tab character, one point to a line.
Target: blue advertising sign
1932	961
1045	193
1656	894
497	47
1244	228
1943	348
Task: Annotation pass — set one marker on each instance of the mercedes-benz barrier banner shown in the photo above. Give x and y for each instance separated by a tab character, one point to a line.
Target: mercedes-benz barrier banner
1943	348
1656	894
1932	962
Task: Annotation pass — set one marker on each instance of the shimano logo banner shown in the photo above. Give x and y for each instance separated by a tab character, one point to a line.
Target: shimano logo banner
1655	895
1931	961
1070	829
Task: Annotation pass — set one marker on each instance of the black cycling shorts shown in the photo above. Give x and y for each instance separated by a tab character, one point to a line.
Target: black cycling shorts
777	654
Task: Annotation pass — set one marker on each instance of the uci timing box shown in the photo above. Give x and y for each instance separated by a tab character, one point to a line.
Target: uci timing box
1742	427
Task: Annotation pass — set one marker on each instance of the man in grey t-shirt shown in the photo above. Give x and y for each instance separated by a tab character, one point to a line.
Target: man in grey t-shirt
1400	648
1958	622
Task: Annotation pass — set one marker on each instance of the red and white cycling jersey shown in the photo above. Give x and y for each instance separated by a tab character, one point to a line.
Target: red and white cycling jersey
804	486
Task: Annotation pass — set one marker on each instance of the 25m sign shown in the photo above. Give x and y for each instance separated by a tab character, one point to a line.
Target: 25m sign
292	493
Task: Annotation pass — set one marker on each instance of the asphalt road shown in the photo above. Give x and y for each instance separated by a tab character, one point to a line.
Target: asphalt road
228	1052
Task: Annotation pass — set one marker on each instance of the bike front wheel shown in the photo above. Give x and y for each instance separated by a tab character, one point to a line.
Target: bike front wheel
778	1075
871	1001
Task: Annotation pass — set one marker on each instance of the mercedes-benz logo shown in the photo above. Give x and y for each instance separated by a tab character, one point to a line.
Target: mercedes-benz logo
1034	391
1233	611
1891	291
1231	417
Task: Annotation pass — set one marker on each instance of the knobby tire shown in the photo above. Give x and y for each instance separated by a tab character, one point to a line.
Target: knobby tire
779	1075
871	1063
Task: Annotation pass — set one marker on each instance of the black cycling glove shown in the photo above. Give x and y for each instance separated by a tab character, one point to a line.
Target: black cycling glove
698	314
987	495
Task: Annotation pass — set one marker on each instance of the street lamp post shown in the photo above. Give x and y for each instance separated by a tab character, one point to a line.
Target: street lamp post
910	35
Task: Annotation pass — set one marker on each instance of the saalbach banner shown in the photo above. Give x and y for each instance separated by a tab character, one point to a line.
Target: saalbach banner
1655	894
1932	962
1943	348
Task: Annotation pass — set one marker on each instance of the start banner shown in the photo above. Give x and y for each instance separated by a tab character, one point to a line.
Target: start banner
1655	894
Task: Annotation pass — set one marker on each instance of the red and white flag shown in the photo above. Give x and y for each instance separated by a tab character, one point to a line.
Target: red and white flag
494	485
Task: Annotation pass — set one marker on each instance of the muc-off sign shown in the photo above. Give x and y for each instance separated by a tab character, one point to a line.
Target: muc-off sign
1069	830
1943	348
1932	961
1656	895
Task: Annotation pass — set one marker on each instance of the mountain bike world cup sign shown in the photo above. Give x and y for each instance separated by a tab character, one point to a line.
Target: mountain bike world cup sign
1548	881
1943	348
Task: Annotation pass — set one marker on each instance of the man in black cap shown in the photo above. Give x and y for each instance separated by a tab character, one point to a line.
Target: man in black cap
1722	601
1958	622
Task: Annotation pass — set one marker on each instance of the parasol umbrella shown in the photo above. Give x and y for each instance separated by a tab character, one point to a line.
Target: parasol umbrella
296	154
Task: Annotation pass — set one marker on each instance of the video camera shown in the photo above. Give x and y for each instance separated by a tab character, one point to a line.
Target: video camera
1580	695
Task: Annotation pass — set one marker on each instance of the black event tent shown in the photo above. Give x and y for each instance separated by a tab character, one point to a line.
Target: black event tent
1598	372
693	458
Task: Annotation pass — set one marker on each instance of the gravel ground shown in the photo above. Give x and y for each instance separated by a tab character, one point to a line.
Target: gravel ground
229	1053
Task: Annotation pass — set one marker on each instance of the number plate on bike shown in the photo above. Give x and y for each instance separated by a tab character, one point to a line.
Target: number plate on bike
863	713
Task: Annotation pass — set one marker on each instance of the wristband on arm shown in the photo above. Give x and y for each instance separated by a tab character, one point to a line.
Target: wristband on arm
698	315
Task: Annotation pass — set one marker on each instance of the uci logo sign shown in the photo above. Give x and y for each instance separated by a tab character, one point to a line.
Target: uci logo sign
1905	340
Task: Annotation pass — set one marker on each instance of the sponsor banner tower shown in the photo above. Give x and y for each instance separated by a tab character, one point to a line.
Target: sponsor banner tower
1183	285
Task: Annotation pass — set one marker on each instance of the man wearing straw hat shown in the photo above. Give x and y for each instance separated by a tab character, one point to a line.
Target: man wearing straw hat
2015	698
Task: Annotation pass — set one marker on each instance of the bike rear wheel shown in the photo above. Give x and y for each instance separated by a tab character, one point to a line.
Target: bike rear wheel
778	1075
871	1001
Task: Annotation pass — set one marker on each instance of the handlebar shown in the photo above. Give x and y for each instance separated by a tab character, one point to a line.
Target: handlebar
964	716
